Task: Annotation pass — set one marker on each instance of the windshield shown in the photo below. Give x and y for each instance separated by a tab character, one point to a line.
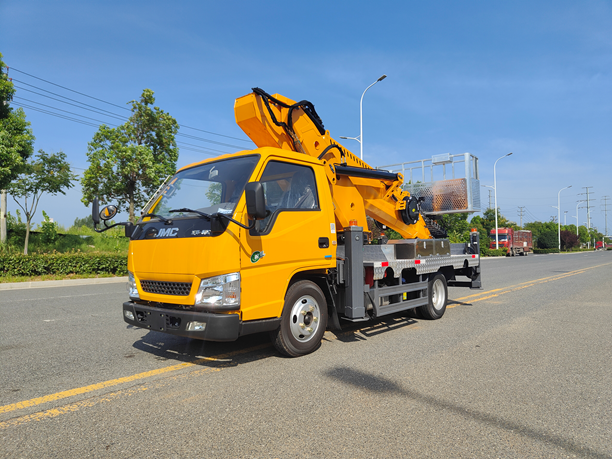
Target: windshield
501	237
209	188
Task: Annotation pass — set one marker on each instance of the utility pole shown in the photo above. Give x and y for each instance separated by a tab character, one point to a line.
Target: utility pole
606	209
521	212
587	206
490	191
587	198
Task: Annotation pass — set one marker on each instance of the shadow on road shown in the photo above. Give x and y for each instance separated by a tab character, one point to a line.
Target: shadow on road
167	347
359	331
377	384
455	302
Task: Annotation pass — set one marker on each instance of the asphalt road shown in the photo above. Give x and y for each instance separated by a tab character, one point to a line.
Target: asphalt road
519	369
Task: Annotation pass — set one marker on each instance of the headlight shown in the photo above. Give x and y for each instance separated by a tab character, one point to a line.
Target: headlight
220	291
132	289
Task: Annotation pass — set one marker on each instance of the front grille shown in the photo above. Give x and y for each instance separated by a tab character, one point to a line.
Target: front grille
166	287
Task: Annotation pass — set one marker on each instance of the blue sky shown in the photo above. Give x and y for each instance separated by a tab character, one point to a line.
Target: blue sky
528	77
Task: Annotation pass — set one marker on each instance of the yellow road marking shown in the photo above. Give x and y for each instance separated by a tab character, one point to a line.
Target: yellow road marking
497	292
68	408
114	382
57	411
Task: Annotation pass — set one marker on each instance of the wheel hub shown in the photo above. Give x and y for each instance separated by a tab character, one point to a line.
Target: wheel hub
305	318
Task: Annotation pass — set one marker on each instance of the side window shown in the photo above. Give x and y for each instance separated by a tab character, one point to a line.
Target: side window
287	187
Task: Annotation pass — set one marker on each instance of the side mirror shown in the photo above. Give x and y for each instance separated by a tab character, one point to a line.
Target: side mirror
256	203
108	212
95	212
129	229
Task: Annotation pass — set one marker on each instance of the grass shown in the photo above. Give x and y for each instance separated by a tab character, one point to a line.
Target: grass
82	239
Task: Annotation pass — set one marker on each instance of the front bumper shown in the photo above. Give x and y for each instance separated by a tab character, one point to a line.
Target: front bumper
219	327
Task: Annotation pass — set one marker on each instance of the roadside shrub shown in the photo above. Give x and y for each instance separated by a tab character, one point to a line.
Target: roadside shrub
63	264
486	252
546	251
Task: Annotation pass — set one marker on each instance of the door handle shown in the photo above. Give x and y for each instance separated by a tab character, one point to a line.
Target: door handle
324	242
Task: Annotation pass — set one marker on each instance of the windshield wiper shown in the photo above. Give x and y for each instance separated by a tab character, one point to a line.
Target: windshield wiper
163	219
203	214
215	215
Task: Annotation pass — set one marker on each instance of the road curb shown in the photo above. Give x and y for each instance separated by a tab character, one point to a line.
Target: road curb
61	283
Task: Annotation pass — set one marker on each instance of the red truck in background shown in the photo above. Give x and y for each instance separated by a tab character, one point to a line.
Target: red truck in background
518	242
601	245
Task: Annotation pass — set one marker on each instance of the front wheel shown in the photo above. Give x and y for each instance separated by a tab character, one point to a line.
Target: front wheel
437	298
304	320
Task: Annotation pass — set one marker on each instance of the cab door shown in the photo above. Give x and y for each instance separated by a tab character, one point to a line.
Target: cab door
298	234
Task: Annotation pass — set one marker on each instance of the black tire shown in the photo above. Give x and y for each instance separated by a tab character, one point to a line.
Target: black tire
304	320
437	298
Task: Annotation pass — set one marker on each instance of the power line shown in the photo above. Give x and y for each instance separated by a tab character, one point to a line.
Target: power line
68	89
221	135
62	110
68	103
535	219
200	149
210	141
64	97
112	115
47	112
111	124
110	103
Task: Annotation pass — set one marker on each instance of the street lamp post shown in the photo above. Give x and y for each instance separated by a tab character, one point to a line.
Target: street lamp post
496	197
577	216
360	138
559	244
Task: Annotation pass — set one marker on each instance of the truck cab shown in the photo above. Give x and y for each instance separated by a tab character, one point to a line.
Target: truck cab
505	237
211	269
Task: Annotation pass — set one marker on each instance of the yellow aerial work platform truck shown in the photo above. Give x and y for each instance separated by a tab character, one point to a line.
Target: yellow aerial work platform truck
276	238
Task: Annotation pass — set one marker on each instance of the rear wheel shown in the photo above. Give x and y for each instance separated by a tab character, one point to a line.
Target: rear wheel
437	298
304	320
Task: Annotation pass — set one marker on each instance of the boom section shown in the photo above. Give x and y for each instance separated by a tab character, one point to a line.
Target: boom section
357	189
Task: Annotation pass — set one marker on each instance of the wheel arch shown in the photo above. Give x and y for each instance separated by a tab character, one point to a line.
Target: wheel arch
320	277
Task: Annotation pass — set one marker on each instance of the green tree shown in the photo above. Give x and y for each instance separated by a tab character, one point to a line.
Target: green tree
584	236
128	163
548	239
86	221
7	90
48	173
544	234
457	226
16	138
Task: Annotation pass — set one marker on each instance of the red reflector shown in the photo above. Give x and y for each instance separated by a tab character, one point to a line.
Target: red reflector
474	256
418	261
385	264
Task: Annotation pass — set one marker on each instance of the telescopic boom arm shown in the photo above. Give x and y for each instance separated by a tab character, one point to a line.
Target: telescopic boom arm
357	189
